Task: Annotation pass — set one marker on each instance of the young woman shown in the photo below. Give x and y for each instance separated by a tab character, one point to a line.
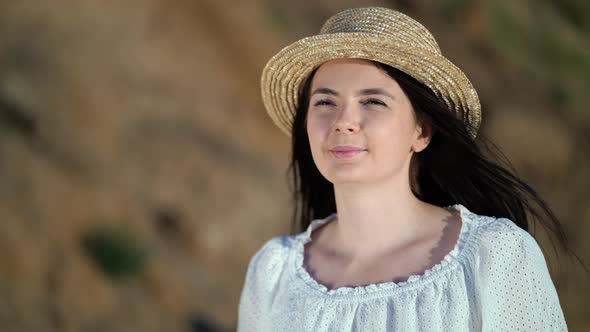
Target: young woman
407	224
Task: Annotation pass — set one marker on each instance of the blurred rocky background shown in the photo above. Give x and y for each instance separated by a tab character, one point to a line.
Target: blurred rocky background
139	171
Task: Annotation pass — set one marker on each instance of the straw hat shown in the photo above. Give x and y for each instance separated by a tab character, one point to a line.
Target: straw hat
372	33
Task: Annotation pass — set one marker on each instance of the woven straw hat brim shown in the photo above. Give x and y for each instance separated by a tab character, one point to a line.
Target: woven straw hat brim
285	72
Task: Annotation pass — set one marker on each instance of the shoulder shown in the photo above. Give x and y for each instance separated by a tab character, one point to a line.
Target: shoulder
271	258
502	244
502	234
511	272
262	279
277	246
492	234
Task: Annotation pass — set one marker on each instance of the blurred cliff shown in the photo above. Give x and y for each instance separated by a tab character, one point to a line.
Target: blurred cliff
139	172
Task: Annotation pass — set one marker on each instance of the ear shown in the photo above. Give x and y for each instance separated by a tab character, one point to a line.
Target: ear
424	134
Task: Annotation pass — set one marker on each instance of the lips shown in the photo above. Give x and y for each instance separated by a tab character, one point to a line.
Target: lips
346	151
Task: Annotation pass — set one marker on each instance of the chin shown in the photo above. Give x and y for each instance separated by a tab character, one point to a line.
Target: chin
340	175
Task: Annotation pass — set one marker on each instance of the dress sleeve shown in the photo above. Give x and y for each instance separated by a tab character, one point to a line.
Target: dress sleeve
517	291
262	276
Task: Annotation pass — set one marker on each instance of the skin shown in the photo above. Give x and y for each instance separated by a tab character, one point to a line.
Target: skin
382	231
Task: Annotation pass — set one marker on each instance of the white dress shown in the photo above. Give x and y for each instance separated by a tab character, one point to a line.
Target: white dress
494	279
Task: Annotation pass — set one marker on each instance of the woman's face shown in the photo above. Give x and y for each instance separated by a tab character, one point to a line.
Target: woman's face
361	125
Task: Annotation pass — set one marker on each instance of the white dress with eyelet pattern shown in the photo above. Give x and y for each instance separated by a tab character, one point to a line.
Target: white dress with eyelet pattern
494	279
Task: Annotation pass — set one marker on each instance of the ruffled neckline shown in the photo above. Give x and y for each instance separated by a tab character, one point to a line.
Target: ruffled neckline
413	281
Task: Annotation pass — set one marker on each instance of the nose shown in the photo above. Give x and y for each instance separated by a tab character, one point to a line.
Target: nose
348	121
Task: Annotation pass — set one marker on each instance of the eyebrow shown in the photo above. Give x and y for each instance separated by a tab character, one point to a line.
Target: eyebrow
363	92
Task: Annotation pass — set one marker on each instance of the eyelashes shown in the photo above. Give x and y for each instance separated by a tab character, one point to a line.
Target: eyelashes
369	101
373	101
324	102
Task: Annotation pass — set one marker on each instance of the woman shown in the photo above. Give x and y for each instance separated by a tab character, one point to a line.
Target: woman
406	225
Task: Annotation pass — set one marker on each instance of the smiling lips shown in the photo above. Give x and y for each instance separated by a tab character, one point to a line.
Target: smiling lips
346	151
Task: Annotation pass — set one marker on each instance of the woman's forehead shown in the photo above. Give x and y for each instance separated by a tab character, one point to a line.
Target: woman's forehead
352	74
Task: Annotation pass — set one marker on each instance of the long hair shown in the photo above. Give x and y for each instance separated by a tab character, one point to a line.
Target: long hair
453	169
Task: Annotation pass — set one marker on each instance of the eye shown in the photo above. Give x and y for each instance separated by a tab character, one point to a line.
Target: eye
373	101
324	102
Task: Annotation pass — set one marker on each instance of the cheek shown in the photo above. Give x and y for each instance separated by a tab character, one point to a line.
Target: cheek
317	128
389	135
383	126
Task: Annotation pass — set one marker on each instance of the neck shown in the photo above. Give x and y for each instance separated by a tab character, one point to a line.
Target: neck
373	219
